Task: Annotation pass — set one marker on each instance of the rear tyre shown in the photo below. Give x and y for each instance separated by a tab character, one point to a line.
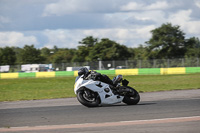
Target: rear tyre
88	98
131	98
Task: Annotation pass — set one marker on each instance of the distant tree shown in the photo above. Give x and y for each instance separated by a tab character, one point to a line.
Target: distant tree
107	49
62	56
139	52
55	49
167	41
30	54
7	56
82	54
45	54
89	41
192	47
18	54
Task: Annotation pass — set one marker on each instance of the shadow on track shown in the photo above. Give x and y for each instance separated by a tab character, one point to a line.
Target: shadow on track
122	105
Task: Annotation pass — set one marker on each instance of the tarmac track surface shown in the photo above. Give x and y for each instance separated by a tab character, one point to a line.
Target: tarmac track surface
173	111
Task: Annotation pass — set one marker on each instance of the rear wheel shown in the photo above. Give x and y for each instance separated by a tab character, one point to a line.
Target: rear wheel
88	98
131	98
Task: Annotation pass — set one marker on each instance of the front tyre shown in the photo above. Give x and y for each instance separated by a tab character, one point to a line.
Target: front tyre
88	98
131	98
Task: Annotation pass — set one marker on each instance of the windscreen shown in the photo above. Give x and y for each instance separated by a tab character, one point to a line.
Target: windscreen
77	78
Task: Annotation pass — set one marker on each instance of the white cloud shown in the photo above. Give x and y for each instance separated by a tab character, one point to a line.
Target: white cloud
183	18
16	39
63	7
62	38
144	32
193	27
134	19
197	4
130	37
158	5
157	16
70	38
131	6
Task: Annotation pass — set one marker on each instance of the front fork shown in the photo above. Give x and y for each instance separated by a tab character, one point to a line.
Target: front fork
89	94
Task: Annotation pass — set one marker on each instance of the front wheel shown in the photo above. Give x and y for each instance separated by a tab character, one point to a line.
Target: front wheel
88	98
131	98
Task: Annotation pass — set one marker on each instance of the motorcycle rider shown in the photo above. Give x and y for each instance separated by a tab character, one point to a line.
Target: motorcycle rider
94	75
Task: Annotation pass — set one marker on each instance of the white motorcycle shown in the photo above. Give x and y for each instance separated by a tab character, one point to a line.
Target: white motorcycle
92	93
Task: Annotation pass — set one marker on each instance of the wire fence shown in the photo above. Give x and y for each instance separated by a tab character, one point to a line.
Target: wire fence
114	64
126	64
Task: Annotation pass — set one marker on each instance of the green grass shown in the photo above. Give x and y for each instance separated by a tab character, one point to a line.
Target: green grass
62	87
36	88
152	83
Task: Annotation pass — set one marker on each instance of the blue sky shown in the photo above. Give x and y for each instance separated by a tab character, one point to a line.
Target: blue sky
64	23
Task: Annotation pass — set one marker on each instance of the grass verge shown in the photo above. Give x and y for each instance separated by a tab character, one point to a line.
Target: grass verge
62	87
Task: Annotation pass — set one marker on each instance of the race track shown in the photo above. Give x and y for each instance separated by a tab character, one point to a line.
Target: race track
173	111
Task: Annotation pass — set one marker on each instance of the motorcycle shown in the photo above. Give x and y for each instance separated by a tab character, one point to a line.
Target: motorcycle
94	93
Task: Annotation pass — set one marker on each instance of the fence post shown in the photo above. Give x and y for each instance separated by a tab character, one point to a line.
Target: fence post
140	63
62	67
168	63
183	63
113	63
126	62
100	65
154	63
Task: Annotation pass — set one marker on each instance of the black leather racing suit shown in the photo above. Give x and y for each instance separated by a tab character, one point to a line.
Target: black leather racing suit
99	77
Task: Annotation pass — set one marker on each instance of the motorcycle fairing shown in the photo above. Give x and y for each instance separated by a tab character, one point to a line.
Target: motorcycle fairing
103	89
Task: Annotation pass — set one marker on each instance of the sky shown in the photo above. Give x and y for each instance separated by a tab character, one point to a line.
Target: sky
63	23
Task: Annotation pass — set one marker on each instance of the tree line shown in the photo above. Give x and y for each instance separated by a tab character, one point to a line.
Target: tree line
167	41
